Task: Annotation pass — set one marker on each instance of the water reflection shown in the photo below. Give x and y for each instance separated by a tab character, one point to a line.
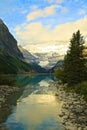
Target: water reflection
37	108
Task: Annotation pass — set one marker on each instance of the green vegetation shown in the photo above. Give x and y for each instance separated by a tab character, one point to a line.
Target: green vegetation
7	80
12	65
59	73
74	62
74	71
81	89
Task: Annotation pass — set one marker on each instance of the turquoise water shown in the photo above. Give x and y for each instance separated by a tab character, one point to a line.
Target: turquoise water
37	108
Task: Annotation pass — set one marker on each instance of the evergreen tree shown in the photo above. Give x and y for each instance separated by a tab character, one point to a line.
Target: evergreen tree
74	63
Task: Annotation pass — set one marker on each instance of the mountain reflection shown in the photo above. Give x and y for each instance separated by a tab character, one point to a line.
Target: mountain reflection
37	107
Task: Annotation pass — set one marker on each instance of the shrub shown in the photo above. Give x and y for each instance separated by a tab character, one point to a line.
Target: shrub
81	89
59	73
7	80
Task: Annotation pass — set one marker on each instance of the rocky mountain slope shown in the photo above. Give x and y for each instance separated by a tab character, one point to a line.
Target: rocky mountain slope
11	65
49	60
11	58
32	60
7	42
43	62
28	57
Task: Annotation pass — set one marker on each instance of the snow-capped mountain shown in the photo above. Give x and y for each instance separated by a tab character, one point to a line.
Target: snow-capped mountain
29	58
32	60
48	60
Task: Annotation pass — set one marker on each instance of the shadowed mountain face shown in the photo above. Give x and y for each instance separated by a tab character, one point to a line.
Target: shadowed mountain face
8	42
28	57
33	61
14	59
11	58
12	65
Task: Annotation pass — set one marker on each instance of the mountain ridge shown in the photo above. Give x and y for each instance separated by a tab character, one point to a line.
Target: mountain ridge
7	41
11	58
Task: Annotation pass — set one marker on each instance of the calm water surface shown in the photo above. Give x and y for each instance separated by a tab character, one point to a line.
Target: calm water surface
37	108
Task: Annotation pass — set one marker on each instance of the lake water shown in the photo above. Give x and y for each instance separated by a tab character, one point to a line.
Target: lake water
37	108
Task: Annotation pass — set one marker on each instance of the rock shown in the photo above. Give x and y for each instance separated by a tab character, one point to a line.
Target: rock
59	82
85	128
2	128
6	91
79	128
7	42
74	110
61	115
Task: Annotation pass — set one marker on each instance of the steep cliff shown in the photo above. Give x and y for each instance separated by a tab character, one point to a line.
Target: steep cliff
11	58
7	42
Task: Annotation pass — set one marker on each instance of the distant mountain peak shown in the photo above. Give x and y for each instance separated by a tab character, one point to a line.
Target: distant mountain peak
29	58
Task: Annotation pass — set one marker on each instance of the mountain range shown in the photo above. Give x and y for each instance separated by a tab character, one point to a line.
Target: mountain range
15	59
48	60
32	60
11	58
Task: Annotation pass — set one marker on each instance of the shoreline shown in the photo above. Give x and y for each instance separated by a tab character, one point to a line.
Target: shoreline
5	92
73	113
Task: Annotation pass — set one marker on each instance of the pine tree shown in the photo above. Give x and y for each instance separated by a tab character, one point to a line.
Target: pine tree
74	63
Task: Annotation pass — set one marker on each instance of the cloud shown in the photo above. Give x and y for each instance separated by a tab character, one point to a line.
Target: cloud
38	32
55	1
47	47
24	11
82	12
37	36
38	13
64	10
33	32
34	7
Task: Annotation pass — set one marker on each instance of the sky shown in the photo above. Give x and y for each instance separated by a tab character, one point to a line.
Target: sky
44	25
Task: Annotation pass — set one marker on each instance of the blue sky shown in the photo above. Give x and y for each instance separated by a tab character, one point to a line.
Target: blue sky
14	12
47	16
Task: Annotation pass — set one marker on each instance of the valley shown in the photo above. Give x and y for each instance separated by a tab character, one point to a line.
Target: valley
35	86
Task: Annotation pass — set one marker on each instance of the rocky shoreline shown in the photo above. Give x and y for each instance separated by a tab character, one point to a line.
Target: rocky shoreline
73	113
5	92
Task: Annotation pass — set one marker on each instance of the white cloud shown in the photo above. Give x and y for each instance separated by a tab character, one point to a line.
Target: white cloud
48	11
24	11
36	35
55	1
33	32
34	7
82	12
47	47
64	9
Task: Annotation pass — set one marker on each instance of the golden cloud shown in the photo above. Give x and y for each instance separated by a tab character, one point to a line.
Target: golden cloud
31	33
48	11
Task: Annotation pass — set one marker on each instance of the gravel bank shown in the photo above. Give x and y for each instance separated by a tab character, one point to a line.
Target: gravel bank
74	109
5	92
